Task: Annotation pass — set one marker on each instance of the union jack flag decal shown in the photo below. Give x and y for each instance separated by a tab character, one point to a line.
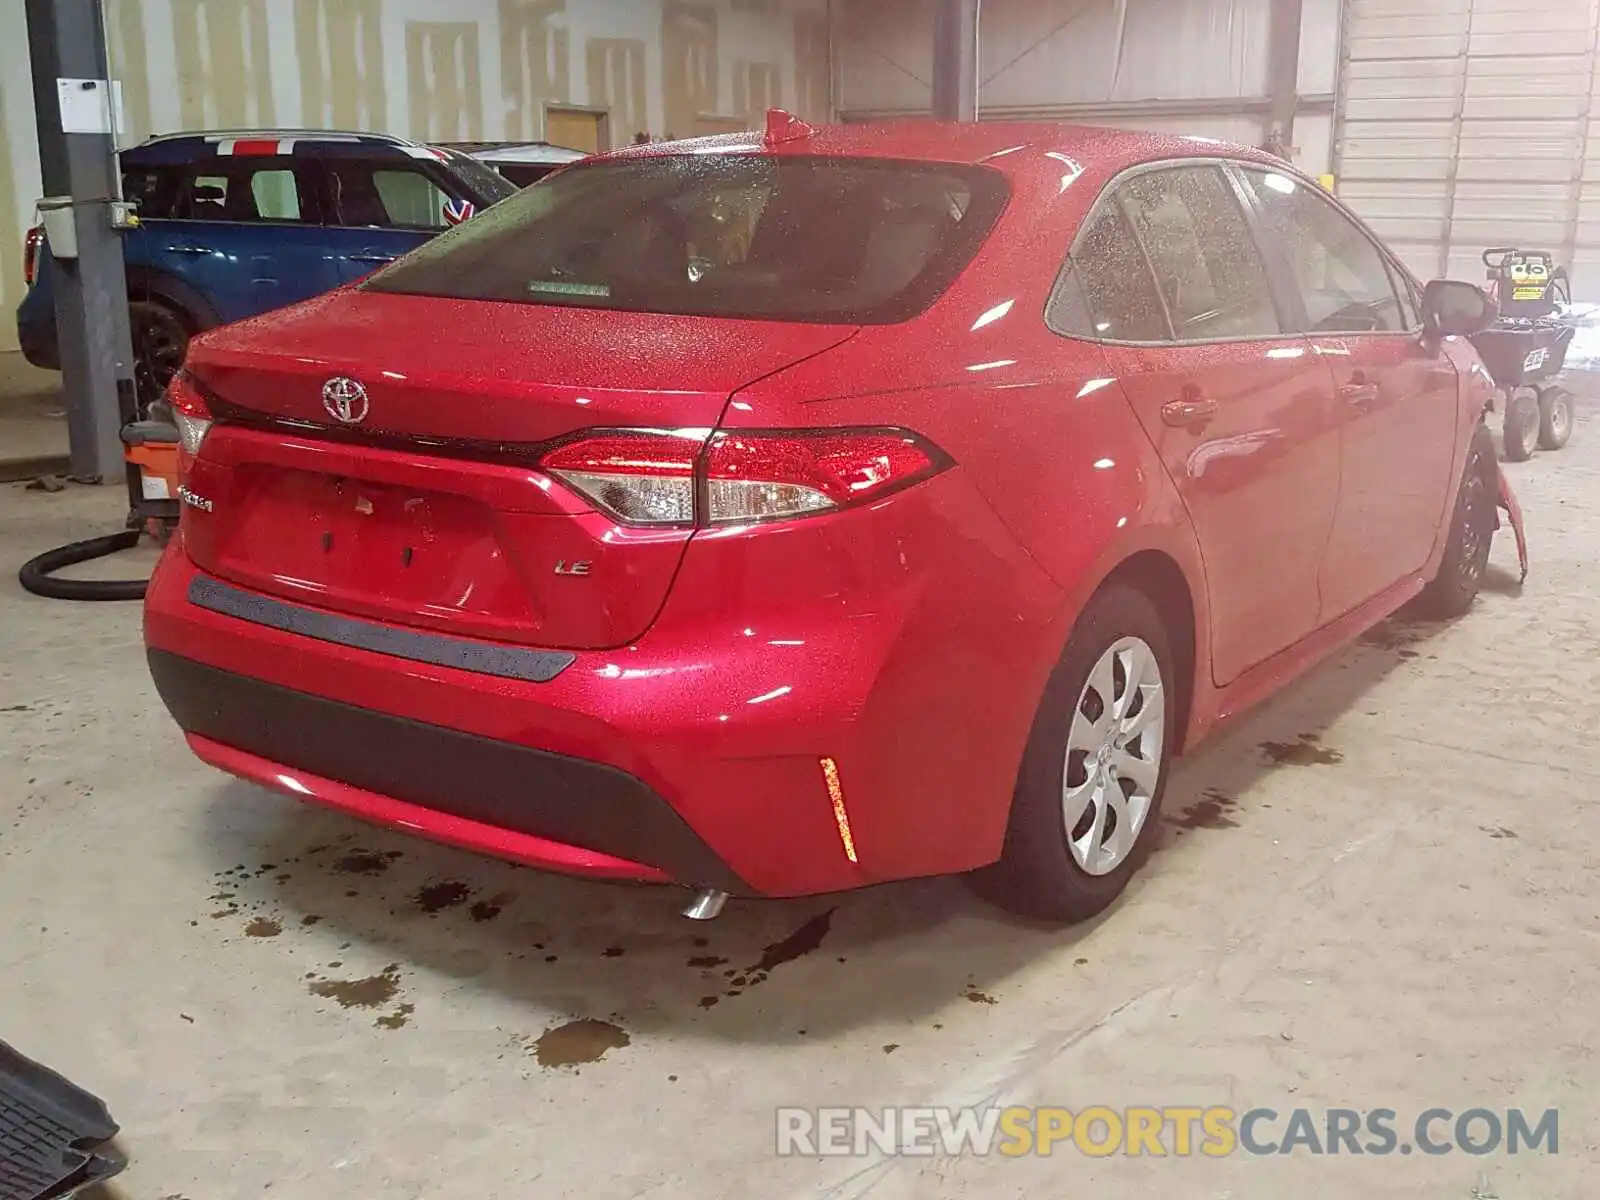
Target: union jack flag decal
457	211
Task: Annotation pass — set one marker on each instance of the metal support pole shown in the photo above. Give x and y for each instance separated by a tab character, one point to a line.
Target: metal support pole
1283	74
955	60
66	40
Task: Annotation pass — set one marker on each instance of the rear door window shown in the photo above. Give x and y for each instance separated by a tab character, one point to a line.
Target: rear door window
782	237
1207	265
249	191
153	189
412	201
1342	276
1110	293
387	196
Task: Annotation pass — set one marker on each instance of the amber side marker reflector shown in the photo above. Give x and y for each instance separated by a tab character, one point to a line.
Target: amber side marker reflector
830	775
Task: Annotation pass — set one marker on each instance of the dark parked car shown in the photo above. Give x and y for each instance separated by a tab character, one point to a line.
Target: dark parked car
523	163
236	224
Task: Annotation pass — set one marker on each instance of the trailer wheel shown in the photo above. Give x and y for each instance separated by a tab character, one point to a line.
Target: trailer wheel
1521	425
1555	418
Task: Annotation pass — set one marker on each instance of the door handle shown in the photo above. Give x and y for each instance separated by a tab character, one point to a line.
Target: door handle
369	256
1193	409
1358	392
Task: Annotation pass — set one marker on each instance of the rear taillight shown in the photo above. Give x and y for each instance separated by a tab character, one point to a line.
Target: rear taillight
678	478
641	478
192	417
30	254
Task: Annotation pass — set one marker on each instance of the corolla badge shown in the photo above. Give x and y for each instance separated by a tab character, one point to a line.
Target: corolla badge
345	399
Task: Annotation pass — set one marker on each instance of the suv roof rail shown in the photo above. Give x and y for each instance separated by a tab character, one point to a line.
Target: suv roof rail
309	135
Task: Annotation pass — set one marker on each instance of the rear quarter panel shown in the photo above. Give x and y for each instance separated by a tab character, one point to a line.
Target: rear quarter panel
1058	471
1034	420
38	302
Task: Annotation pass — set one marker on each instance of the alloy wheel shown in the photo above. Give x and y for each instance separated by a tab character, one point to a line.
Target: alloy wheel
1477	524
159	345
1113	761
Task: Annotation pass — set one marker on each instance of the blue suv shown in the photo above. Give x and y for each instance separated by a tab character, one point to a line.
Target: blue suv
235	224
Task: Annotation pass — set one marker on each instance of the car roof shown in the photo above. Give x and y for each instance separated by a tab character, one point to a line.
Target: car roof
188	146
534	153
1005	145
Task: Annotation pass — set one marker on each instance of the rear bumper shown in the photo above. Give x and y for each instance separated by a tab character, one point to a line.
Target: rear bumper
38	342
911	658
612	769
543	809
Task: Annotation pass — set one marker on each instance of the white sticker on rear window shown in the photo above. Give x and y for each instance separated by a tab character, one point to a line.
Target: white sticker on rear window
569	289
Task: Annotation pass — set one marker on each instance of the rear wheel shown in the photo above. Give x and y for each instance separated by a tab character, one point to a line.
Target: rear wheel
1555	418
1089	793
160	342
1521	425
1453	589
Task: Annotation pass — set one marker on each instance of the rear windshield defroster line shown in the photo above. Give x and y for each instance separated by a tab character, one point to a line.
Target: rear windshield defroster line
776	237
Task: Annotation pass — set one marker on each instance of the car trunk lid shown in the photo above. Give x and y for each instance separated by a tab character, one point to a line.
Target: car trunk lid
415	498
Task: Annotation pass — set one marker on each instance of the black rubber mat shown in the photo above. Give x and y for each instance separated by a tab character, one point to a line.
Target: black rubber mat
51	1133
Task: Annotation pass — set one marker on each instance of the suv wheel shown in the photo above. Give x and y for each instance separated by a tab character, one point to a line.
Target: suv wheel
160	341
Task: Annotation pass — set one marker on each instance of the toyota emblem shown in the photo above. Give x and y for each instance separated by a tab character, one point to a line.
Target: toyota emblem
346	400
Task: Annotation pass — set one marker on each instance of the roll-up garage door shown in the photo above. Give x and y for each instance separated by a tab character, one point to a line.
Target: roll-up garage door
1465	124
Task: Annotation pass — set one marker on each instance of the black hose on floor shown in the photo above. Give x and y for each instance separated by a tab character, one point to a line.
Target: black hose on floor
35	574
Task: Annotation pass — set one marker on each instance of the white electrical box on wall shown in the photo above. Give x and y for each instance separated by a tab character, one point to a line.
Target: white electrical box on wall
60	226
89	106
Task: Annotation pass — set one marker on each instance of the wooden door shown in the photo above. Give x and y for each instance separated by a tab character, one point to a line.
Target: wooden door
577	129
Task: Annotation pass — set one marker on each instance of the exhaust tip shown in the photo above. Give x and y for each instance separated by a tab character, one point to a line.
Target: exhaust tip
706	905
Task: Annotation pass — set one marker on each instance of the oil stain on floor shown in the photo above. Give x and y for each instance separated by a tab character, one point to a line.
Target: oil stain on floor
1305	751
488	910
372	992
366	862
437	897
805	940
579	1042
397	1018
1213	810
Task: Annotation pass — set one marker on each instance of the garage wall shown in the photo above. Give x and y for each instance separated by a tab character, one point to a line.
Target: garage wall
444	70
1195	67
1469	123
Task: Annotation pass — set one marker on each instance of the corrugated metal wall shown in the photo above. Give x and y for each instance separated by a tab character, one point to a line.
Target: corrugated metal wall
1468	123
1178	66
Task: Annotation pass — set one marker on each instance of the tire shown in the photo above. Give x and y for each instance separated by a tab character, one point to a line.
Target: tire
1555	418
1472	524
160	341
1040	874
1521	426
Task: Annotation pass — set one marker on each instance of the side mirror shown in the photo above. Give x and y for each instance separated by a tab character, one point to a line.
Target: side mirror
1451	308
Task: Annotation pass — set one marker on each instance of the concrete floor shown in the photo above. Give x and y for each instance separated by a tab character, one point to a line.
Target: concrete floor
33	425
1400	913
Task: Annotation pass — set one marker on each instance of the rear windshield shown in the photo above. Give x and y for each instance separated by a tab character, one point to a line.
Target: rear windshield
720	235
489	184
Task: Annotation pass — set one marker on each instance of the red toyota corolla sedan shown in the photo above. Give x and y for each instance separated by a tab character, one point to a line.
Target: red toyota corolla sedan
779	514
